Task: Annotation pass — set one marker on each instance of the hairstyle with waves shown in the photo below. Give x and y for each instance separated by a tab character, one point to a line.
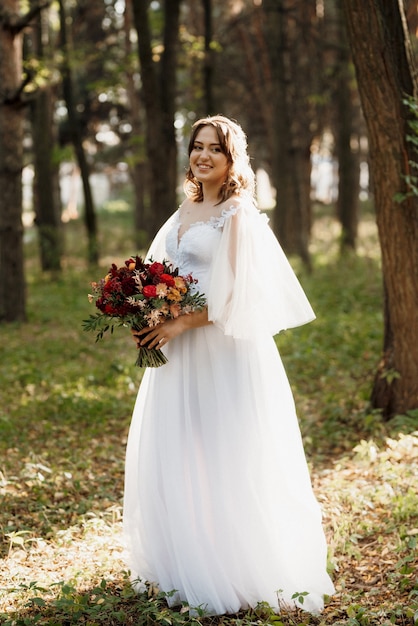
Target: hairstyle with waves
233	143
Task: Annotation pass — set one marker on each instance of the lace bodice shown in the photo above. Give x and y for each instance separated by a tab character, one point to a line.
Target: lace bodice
240	266
194	251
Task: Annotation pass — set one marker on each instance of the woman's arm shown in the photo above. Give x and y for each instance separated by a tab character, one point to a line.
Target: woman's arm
158	336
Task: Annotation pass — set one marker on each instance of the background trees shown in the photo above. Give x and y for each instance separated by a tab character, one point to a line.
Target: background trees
116	86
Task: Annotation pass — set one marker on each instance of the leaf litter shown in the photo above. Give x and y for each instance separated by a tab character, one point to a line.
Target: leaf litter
64	418
56	530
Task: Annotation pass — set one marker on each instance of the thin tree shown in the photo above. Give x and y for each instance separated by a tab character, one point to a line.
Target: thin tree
46	187
208	62
290	30
77	138
386	78
136	153
345	125
158	76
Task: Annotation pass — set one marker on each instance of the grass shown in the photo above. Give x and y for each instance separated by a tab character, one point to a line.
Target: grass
65	409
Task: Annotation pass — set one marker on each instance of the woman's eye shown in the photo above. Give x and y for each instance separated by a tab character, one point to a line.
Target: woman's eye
197	147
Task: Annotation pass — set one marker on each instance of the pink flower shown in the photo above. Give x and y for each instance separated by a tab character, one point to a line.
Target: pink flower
161	290
175	309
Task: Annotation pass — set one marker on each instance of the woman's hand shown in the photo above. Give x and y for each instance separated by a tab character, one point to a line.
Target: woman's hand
158	336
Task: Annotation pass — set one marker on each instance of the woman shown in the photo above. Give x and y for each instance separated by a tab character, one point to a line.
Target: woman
218	503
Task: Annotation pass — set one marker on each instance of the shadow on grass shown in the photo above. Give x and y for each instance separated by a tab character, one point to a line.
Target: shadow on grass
114	603
117	603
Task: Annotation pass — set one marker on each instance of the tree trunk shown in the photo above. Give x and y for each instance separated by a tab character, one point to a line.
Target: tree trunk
281	138
379	43
290	148
48	214
159	82
137	164
208	64
168	98
348	158
77	140
12	282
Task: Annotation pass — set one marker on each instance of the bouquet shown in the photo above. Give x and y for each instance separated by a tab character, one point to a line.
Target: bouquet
140	295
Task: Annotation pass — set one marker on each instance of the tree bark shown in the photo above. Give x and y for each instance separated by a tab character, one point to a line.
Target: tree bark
12	281
380	47
159	83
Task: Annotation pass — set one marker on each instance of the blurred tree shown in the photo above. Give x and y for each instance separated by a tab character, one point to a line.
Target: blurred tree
75	132
386	75
158	77
46	195
196	61
107	97
345	125
295	62
136	153
281	61
208	63
270	77
12	101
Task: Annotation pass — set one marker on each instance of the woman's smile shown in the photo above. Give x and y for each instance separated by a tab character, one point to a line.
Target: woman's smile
207	161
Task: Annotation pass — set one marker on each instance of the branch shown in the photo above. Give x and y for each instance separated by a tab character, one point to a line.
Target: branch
15	24
15	98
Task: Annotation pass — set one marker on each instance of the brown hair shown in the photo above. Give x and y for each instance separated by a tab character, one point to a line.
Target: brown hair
233	143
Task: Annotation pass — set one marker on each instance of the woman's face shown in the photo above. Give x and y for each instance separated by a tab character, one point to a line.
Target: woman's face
208	163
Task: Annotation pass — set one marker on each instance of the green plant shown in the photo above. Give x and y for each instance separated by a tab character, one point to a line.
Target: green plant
65	409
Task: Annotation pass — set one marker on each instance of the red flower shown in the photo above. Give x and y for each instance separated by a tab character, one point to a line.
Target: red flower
156	269
112	286
150	291
167	279
128	286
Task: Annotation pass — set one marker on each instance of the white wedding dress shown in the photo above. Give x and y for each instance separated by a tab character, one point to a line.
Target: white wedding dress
218	502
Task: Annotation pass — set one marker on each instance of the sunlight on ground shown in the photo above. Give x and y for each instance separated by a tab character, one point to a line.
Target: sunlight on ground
368	556
85	553
64	419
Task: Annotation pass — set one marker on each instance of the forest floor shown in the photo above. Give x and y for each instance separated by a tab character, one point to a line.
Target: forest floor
65	408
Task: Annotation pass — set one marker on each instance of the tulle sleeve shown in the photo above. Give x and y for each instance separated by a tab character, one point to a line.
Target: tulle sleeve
253	288
157	250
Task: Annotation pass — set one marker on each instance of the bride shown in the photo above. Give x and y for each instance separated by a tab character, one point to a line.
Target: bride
218	505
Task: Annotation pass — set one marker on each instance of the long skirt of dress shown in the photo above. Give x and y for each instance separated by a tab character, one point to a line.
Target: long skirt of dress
218	501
